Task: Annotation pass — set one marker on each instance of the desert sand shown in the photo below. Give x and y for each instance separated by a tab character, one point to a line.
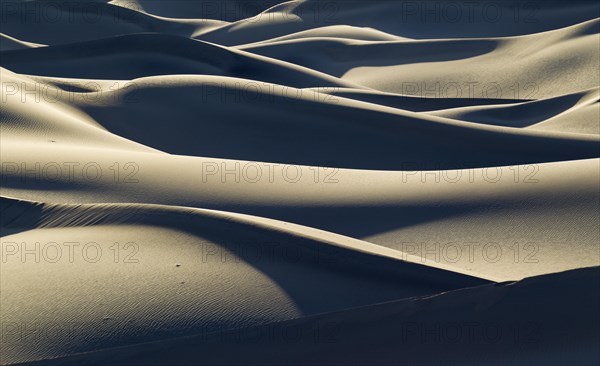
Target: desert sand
304	182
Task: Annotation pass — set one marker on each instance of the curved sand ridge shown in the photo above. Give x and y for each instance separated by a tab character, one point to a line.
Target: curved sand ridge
454	323
183	271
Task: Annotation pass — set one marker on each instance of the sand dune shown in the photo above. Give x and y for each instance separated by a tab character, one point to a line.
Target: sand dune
227	10
277	120
430	20
180	176
140	55
196	271
398	66
528	114
521	209
8	43
468	327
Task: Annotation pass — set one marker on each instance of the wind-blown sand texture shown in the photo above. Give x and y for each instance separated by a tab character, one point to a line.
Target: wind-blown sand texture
249	182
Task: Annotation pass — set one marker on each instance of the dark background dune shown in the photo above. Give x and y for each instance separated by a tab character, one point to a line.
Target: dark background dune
312	182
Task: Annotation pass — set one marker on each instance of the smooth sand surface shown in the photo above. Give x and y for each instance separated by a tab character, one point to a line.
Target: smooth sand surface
177	173
502	324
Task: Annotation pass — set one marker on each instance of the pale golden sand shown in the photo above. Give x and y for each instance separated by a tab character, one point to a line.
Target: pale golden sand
176	178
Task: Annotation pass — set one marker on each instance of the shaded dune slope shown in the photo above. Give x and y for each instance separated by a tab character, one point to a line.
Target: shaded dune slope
212	170
526	114
52	23
477	326
273	123
276	123
133	56
397	66
404	20
192	272
550	206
